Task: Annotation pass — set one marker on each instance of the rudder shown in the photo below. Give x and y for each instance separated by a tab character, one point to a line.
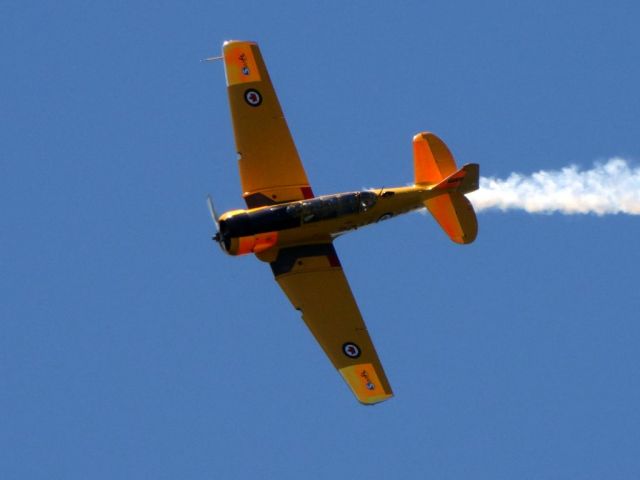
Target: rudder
435	166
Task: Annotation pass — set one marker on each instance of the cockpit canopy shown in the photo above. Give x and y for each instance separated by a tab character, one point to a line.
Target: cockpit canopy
291	215
331	206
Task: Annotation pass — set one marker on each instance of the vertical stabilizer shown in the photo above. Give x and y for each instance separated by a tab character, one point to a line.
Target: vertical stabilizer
434	165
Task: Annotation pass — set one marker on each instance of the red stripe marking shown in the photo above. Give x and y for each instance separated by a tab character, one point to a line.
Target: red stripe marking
334	261
306	192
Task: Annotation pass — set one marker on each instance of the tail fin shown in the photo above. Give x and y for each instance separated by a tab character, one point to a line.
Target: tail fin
434	165
462	181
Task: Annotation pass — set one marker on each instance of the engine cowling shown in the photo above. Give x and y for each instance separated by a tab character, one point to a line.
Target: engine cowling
239	234
250	243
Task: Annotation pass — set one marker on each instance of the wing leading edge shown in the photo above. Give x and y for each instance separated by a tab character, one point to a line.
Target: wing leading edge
313	280
270	168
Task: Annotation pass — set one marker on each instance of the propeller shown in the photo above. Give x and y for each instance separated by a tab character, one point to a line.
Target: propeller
214	216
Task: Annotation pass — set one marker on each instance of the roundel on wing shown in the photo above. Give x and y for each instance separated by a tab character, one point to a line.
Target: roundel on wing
252	97
351	350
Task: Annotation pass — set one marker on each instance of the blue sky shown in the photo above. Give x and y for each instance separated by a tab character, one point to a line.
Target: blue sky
131	347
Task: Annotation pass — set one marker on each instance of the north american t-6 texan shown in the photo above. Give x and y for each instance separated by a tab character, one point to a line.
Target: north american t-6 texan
293	230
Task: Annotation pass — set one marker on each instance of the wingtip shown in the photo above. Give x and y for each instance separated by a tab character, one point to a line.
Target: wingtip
231	42
366	385
370	402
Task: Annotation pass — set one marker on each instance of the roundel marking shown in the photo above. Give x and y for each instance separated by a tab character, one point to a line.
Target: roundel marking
351	350
252	97
385	216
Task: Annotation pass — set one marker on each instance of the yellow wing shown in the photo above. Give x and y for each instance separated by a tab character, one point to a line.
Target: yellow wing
312	278
270	169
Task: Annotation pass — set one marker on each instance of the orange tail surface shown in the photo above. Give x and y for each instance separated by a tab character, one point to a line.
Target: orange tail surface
434	165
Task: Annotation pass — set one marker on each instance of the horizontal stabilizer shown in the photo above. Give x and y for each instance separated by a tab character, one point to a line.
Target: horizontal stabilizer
432	160
455	214
451	209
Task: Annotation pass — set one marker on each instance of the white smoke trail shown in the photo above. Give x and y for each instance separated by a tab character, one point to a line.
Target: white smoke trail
611	187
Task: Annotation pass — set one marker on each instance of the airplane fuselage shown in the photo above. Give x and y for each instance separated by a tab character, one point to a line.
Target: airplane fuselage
316	219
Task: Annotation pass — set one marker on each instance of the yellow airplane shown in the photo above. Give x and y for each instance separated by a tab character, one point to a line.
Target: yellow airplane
293	230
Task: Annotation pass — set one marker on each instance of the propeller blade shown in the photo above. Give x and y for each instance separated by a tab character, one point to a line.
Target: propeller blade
214	216
212	212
